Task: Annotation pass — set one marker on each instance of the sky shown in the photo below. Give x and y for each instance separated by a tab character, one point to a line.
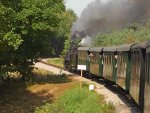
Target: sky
77	5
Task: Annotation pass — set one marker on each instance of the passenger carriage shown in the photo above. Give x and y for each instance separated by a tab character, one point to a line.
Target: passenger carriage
83	57
147	79
137	74
123	66
95	61
109	63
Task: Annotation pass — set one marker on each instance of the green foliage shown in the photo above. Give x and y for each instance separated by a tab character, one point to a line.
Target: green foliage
7	20
67	20
131	34
31	29
67	46
13	39
77	101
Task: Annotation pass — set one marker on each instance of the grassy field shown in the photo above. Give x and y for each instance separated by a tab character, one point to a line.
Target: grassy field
56	61
48	93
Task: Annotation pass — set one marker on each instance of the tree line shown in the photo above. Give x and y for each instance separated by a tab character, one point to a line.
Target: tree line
130	34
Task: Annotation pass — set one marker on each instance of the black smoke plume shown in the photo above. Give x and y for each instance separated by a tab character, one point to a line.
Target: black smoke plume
102	15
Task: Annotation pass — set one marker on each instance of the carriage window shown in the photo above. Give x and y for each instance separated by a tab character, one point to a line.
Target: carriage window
94	57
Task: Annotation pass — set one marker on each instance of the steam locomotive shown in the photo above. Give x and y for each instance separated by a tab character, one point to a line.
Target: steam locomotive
126	65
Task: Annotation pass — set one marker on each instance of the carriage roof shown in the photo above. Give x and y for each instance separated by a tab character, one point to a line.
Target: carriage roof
110	49
147	44
83	48
96	49
138	46
126	47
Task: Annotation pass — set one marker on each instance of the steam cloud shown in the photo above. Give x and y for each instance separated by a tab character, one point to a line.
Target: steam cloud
101	15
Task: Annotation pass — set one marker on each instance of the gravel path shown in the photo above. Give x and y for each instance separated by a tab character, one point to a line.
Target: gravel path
52	69
120	103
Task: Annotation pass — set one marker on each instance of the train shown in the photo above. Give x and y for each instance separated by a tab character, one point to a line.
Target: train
127	65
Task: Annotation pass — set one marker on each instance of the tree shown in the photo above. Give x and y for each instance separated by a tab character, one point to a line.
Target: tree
30	29
68	18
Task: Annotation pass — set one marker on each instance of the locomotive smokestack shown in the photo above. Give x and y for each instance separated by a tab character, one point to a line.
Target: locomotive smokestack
102	15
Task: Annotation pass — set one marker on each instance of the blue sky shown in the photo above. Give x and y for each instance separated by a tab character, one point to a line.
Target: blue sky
77	5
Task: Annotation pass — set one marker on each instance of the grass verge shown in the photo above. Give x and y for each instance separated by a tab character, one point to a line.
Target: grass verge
77	100
56	61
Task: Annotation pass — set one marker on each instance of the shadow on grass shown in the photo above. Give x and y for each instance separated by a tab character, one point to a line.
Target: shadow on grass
50	78
15	98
